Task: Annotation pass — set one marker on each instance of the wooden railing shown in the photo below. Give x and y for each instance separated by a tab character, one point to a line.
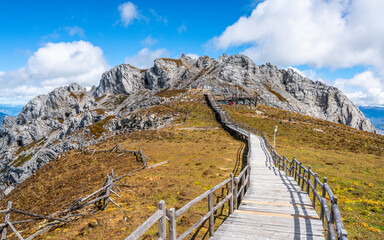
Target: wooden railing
237	187
102	197
309	182
331	217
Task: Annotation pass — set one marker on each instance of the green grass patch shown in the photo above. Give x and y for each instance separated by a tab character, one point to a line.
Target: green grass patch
21	160
170	93
278	95
351	159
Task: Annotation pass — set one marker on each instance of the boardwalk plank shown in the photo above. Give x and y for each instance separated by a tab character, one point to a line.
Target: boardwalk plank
274	207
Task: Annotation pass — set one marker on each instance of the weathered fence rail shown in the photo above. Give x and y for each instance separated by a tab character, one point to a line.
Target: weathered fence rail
309	182
100	197
305	177
237	187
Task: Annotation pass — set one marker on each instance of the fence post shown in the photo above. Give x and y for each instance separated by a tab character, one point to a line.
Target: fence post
323	193
243	185
334	202
308	179
295	167
315	187
4	232
299	174
211	217
232	194
172	224
249	176
303	178
235	193
162	221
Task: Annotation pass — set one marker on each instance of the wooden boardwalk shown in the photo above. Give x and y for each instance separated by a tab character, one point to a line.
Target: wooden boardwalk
274	207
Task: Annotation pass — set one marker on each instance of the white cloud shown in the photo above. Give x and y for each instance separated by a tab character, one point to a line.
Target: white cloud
149	41
309	73
75	30
364	89
158	18
128	13
336	34
145	57
53	65
182	29
192	55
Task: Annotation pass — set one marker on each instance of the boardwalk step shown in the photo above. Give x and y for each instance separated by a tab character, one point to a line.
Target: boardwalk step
274	206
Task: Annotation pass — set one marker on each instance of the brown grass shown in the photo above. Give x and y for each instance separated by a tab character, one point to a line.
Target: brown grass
177	61
199	159
278	95
170	93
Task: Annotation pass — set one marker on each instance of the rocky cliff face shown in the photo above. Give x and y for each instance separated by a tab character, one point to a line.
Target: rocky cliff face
60	121
2	115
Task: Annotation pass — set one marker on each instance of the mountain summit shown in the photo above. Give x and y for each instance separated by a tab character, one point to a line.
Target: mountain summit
72	117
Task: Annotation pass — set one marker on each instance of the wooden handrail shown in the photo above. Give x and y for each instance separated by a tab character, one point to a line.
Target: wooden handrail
159	215
238	186
199	198
302	175
292	168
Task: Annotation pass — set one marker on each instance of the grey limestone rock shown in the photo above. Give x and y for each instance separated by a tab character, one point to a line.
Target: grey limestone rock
57	122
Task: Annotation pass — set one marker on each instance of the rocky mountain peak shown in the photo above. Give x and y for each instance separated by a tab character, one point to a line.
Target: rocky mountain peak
62	120
122	79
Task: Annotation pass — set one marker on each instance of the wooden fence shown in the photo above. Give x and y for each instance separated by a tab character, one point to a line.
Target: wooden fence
309	182
306	178
238	186
101	198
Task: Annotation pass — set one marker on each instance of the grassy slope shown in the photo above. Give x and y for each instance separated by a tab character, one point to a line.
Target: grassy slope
199	159
352	160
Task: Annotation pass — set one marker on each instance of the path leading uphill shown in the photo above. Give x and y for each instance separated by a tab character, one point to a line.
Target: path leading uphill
274	207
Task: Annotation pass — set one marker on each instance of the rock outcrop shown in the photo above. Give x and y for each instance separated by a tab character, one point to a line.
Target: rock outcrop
2	116
60	121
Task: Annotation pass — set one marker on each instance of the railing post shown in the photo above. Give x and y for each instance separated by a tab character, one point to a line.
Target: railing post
249	176
308	179
303	178
315	189
4	232
235	193
243	185
332	212
212	215
323	194
295	167
172	224
232	194
162	221
299	174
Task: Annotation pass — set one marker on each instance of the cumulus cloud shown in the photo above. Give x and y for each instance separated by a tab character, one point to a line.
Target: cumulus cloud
309	73
145	57
321	33
334	34
128	13
364	89
53	65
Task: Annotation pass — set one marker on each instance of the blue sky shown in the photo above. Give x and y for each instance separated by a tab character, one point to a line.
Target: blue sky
45	44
